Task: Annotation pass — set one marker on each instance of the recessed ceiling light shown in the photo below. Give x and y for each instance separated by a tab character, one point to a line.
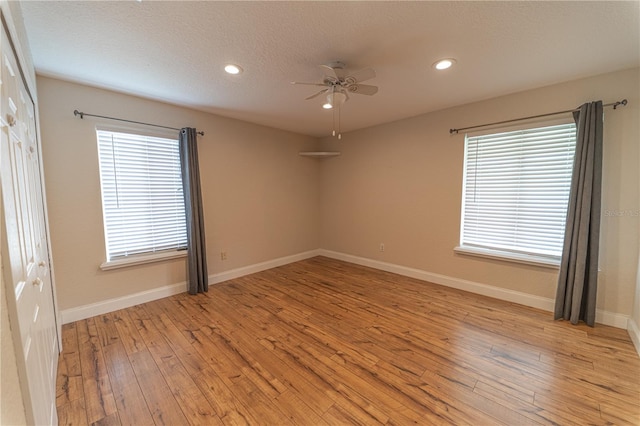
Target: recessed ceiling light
232	69
443	64
327	106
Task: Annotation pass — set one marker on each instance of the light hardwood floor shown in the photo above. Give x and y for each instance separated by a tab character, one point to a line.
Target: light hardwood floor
322	342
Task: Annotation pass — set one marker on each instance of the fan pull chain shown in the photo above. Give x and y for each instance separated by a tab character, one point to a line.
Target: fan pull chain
334	122
339	132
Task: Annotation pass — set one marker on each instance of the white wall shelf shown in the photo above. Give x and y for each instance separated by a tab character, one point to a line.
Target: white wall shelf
319	154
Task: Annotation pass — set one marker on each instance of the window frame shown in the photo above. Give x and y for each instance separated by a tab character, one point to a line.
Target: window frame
139	258
546	261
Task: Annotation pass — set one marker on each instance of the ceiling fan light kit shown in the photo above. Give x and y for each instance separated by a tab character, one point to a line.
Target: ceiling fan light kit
335	98
337	86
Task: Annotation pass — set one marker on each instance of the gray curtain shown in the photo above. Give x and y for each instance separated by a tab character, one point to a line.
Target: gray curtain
578	279
197	277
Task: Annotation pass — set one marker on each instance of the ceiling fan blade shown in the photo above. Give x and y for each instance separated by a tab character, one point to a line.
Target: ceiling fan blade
308	84
360	76
316	94
363	89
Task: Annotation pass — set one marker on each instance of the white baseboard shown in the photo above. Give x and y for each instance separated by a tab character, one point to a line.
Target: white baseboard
470	286
544	303
634	333
263	266
110	305
612	318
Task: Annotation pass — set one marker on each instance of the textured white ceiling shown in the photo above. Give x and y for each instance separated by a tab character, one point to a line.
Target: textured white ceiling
175	51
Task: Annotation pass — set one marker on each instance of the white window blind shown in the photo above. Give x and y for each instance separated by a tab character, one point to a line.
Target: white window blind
142	199
516	190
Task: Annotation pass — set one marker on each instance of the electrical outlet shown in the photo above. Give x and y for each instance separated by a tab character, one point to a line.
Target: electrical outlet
223	255
381	246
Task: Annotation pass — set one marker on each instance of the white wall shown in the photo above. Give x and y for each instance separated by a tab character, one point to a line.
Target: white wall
261	198
400	184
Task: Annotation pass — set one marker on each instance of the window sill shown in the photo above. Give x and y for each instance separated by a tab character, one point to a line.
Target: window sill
527	259
142	259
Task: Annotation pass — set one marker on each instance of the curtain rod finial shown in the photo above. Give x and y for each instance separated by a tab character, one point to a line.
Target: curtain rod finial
622	102
452	131
76	113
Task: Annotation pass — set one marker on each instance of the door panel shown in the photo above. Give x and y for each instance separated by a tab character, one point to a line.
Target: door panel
26	261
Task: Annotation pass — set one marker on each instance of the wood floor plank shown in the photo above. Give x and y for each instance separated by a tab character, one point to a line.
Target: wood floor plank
107	331
316	398
572	414
68	387
615	414
224	404
69	375
297	408
127	332
506	399
337	414
98	395
260	405
229	409
160	400
129	397
323	341
72	413
189	397
231	369
110	420
70	349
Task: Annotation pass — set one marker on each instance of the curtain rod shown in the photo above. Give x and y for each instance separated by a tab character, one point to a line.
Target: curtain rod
82	114
613	104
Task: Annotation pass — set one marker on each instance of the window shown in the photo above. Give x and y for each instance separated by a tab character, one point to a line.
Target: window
142	199
516	192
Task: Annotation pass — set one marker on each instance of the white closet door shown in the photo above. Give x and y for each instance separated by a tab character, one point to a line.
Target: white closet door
26	260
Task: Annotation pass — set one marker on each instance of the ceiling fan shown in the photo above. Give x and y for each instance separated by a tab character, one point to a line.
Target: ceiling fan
337	86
